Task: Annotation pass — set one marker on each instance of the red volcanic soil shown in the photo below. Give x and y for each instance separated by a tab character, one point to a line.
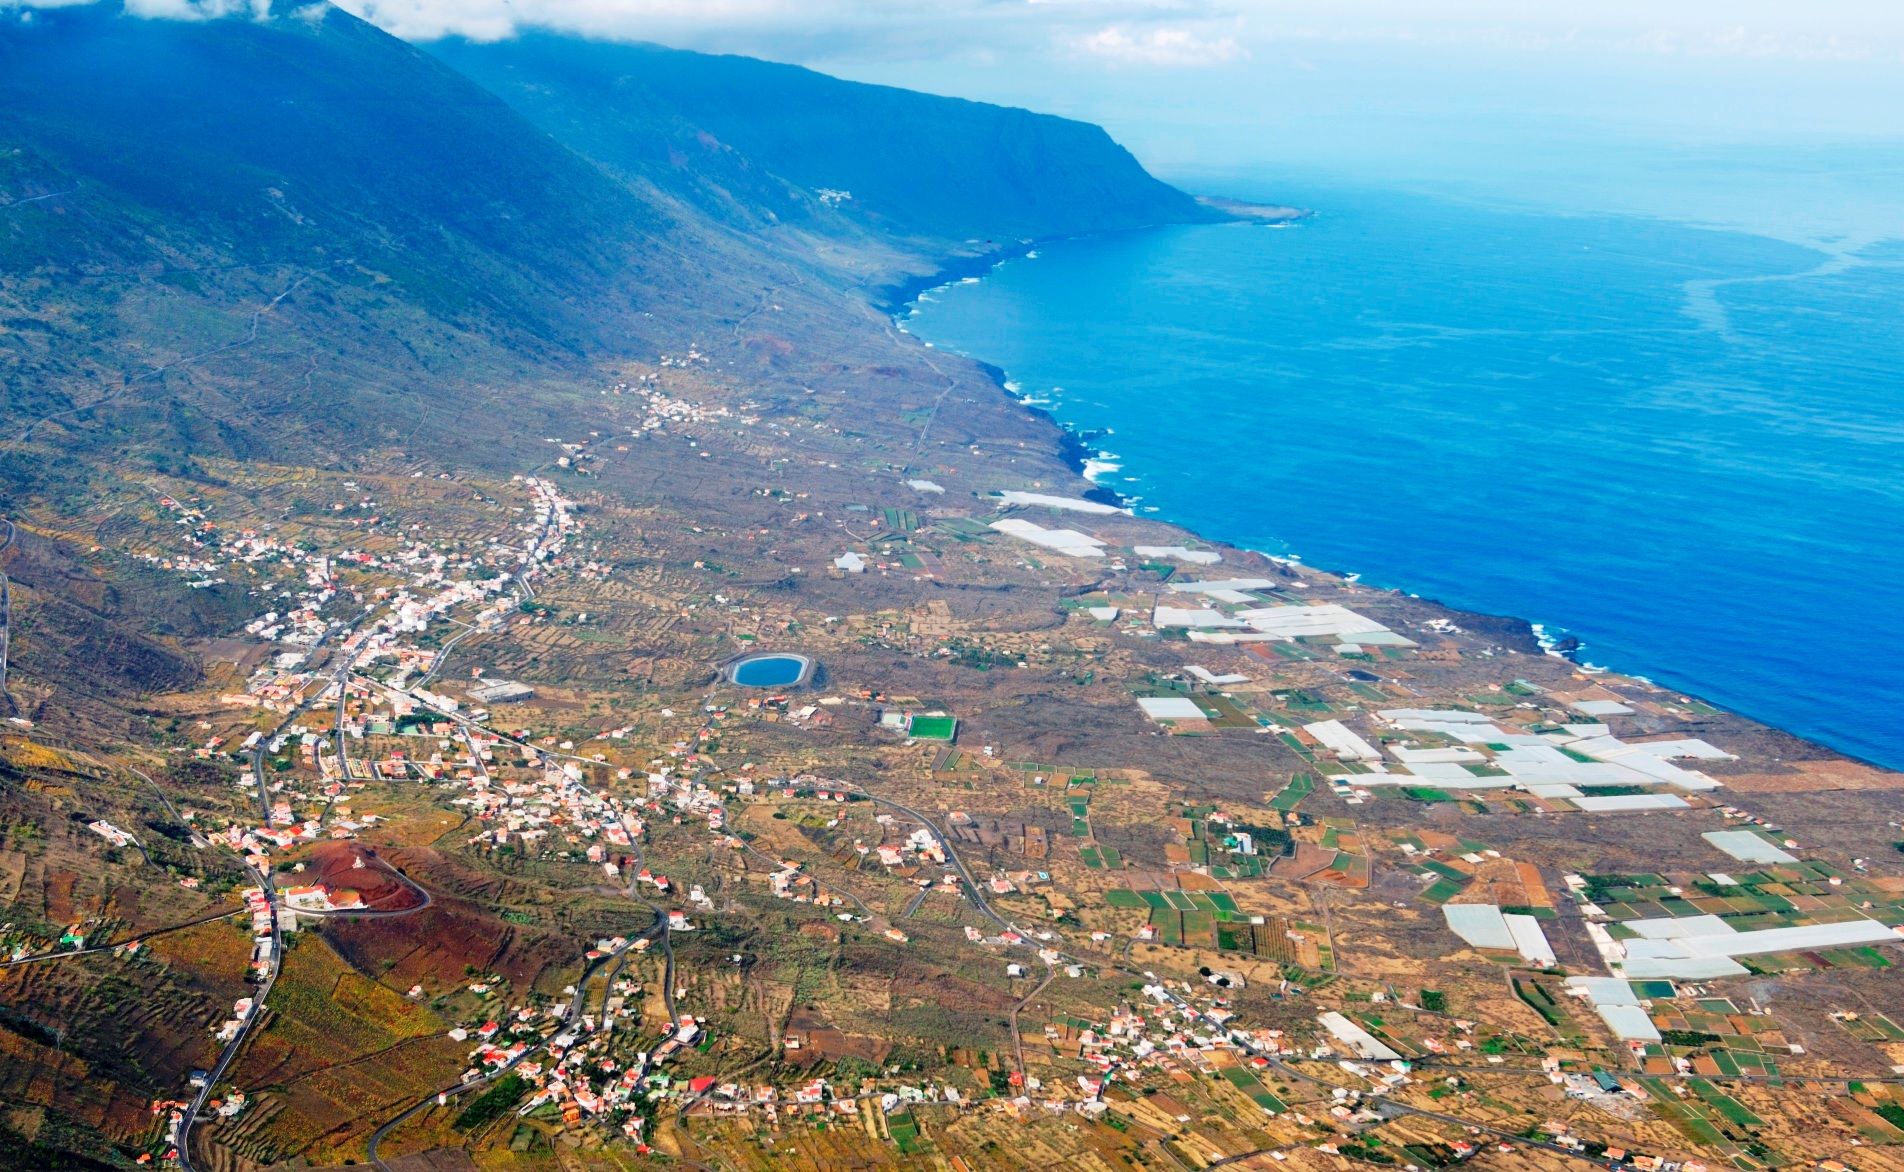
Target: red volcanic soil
434	946
461	929
333	864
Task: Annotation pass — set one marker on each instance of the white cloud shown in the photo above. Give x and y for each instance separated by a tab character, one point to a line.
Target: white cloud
620	19
1160	45
1121	33
198	9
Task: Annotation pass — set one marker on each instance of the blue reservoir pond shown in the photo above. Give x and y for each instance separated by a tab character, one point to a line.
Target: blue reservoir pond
1684	447
770	671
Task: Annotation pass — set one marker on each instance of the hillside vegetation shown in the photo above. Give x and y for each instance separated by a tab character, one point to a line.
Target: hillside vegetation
778	135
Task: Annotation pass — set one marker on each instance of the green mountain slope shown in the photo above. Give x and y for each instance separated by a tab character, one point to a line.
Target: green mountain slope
190	172
298	240
739	135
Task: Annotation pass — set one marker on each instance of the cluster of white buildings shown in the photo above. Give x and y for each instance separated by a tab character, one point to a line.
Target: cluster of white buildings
249	548
921	844
277	686
437	580
661	410
576	1070
553	524
286	831
558	803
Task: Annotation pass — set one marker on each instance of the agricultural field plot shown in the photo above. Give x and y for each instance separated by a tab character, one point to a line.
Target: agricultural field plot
1869	1026
1449	867
1711	1036
1802	894
1876	1110
1781	896
328	1015
1199	919
1104	858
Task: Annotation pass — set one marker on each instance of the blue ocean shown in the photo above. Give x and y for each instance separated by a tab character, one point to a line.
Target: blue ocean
1682	446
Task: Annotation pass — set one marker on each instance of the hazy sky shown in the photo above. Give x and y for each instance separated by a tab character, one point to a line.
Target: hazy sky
1185	33
1784	115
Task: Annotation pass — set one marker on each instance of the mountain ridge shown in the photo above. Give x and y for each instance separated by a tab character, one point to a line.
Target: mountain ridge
240	188
897	160
296	238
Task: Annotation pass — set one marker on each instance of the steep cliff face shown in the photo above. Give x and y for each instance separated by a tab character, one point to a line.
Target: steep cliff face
755	139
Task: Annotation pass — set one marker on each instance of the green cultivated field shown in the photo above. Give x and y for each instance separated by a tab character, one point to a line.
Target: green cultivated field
933	728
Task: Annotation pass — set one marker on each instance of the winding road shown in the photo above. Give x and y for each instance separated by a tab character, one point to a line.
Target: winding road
1218	1029
978	901
571	1015
6	616
128	382
189	1116
118	944
1387	1106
